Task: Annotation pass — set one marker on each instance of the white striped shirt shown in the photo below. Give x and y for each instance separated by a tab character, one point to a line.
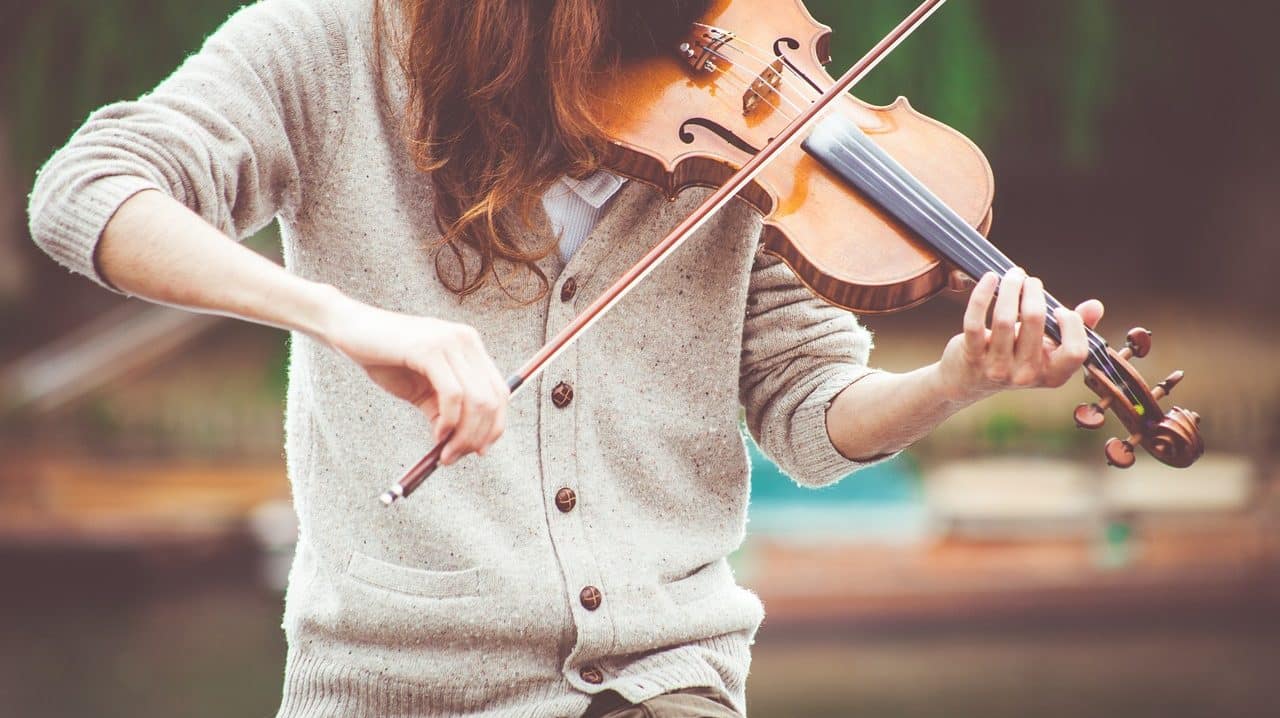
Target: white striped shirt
575	206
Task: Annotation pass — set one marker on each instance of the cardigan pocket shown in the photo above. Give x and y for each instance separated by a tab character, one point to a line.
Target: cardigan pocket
414	581
707	580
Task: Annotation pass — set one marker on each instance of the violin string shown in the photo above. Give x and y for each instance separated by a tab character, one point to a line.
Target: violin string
754	53
759	54
732	44
970	250
1097	345
751	87
987	257
1000	262
958	237
726	72
767	63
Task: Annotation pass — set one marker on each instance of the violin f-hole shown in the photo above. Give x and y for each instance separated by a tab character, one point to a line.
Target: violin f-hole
793	44
717	129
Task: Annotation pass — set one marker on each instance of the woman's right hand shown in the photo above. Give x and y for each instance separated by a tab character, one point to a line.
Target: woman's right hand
440	367
156	248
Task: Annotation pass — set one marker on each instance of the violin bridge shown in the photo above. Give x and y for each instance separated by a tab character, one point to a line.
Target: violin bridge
763	89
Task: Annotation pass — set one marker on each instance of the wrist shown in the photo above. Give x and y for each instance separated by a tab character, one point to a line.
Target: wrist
325	310
957	391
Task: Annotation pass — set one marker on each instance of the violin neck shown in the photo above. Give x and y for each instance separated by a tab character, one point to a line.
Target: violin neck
842	147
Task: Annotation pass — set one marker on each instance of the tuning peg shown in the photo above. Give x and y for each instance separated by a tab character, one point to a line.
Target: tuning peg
1165	388
1092	416
1119	452
1137	343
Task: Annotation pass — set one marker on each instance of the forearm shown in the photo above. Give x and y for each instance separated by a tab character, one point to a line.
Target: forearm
157	249
884	412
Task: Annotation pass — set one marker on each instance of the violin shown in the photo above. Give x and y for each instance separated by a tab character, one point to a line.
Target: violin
875	209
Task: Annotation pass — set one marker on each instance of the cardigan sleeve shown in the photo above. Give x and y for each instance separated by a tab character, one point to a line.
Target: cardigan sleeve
229	134
798	353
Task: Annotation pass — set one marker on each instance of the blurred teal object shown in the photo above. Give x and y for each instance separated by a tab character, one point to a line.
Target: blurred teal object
893	481
880	504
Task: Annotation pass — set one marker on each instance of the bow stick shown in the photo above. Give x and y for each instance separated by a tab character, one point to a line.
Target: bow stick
419	472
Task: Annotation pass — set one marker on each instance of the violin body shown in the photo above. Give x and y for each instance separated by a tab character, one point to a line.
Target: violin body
676	124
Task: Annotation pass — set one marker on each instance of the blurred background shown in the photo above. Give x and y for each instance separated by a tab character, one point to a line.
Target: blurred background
998	568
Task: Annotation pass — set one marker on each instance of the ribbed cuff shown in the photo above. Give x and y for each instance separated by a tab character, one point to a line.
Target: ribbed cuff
821	463
72	236
316	688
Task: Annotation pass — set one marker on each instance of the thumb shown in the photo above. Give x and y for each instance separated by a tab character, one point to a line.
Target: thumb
1090	311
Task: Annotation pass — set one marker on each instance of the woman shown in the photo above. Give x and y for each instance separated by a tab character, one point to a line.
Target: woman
435	174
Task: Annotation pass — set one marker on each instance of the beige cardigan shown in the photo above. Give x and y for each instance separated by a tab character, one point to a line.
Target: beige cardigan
473	597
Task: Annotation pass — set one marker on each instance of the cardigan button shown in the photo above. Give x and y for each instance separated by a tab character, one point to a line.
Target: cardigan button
591	598
562	394
569	289
592	675
566	500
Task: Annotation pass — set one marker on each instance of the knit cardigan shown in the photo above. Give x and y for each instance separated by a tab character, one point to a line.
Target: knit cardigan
468	598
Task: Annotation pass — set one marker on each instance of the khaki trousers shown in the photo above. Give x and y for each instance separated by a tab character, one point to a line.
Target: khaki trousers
685	703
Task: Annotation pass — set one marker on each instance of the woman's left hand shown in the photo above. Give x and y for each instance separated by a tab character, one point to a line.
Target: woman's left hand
1014	352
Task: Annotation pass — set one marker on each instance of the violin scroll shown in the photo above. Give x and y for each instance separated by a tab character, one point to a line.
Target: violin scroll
1172	437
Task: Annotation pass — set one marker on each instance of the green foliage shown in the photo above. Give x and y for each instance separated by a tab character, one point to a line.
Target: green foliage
948	63
1086	81
102	417
958	68
1005	432
63	58
276	376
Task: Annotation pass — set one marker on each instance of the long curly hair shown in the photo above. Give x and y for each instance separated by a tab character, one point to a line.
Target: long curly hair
499	107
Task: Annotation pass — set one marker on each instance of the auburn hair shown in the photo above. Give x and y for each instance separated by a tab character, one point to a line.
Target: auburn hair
499	107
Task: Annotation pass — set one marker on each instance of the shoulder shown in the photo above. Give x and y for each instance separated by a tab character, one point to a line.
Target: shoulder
302	32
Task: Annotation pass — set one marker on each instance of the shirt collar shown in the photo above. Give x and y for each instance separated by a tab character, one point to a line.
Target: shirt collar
596	188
